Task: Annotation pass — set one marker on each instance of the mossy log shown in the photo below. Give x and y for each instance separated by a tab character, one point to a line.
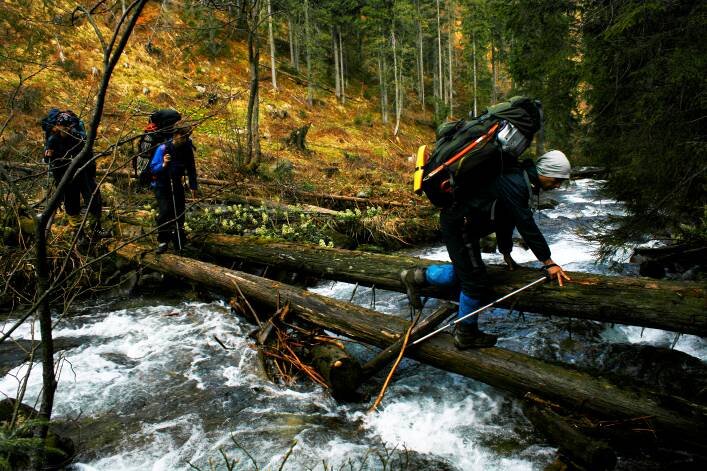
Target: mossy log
668	305
511	371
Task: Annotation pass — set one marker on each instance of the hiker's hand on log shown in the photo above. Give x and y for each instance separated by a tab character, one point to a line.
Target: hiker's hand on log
166	160
555	272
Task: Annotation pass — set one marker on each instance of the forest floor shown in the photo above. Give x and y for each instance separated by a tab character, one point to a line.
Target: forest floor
350	151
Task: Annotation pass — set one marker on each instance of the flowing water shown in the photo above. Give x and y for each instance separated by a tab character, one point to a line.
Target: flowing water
154	389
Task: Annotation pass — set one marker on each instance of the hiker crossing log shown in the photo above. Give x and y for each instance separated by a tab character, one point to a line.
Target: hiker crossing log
511	371
668	305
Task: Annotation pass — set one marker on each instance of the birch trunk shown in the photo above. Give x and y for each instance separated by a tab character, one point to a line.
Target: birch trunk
421	58
396	80
383	88
450	49
271	37
307	37
494	98
421	63
341	67
337	75
292	43
440	92
473	52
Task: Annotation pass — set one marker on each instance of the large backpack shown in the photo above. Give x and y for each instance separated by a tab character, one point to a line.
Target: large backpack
469	153
77	127
158	130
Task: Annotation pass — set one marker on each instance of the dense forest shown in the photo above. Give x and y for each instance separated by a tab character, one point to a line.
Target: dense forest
297	102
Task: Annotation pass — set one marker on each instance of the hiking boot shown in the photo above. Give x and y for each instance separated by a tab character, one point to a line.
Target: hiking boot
413	279
162	248
466	337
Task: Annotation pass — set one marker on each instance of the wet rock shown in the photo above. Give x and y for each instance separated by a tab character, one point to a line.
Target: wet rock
13	353
150	280
97	436
120	359
60	450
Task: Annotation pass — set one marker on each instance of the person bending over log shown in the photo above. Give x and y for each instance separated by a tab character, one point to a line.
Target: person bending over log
171	161
501	205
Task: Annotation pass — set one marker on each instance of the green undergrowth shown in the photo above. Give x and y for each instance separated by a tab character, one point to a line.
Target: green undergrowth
348	229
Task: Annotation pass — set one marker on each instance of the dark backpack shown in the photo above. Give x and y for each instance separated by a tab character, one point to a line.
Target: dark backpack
77	127
159	129
469	153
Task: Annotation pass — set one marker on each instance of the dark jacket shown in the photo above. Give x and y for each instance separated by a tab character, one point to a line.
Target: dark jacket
63	148
503	205
182	163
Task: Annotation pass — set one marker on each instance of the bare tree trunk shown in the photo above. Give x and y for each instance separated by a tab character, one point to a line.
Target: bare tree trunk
473	52
341	66
383	88
337	75
494	72
292	42
440	92
420	63
253	145
273	70
307	37
396	80
451	57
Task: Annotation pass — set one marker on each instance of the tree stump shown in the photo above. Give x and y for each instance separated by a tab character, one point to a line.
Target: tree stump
298	136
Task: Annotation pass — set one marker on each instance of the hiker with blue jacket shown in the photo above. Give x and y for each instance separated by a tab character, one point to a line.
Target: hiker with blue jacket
171	161
498	206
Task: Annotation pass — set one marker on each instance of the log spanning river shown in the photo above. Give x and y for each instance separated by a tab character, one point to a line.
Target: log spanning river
154	389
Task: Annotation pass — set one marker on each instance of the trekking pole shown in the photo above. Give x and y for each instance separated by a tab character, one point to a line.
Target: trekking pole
176	218
481	309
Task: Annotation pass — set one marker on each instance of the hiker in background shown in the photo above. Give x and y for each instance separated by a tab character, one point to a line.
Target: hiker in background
501	205
171	161
64	142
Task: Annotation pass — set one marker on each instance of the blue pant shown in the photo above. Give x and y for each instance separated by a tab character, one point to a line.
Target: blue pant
444	276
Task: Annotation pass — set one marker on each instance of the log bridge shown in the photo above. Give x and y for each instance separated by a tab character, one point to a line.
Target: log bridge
515	372
645	302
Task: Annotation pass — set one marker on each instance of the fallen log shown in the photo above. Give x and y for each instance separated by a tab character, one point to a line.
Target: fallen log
340	371
668	305
511	371
586	452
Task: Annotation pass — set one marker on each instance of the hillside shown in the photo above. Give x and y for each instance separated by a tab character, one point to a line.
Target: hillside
350	150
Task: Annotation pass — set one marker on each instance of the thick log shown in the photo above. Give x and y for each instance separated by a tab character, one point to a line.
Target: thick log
668	305
340	371
514	372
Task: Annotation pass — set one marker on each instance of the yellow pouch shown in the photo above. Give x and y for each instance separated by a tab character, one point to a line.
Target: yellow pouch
422	155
